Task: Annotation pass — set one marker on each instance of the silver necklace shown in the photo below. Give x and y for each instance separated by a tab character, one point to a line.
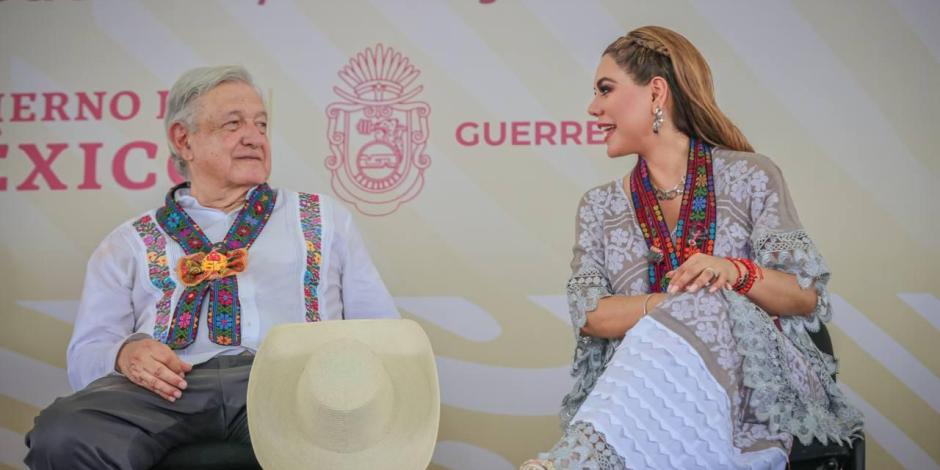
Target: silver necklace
668	194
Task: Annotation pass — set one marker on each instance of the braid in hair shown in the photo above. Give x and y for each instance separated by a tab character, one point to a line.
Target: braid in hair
653	51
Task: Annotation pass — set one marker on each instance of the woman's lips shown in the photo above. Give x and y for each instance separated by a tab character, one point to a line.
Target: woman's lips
607	129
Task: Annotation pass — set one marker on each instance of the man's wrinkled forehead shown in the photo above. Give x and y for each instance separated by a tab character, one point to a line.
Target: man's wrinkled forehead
223	101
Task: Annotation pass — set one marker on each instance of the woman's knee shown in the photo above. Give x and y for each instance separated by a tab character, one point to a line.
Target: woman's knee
701	299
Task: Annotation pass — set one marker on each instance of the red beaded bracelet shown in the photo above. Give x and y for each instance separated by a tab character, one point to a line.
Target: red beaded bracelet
742	274
752	274
754	269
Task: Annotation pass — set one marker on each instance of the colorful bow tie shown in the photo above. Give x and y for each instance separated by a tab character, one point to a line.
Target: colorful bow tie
198	267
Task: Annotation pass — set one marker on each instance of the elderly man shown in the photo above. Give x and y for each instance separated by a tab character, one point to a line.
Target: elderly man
177	300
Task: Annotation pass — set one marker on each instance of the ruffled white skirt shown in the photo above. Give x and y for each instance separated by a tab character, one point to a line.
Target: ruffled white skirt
659	407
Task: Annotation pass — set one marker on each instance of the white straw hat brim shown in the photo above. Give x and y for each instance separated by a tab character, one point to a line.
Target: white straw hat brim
277	429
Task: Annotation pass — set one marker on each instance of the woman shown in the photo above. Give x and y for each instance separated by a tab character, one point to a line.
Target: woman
694	286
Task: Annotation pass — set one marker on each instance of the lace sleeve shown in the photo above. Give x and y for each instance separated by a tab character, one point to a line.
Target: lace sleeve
779	242
585	288
588	284
793	252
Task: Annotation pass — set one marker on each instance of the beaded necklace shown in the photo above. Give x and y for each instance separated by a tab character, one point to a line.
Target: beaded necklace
695	229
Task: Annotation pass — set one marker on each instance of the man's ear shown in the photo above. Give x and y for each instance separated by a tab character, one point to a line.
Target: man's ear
179	136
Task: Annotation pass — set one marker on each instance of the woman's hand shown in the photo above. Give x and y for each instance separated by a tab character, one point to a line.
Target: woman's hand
700	271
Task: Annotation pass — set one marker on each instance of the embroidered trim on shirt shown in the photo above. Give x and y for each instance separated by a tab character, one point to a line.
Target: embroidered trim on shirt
159	270
311	225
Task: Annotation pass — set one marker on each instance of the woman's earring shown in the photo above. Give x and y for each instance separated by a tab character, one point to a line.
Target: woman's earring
657	119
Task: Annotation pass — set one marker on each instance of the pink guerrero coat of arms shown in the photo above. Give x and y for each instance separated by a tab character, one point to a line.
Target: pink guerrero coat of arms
378	134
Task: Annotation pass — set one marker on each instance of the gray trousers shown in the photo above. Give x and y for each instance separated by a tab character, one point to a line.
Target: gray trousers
113	423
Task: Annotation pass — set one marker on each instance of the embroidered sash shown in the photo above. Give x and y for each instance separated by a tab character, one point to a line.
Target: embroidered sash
695	229
212	269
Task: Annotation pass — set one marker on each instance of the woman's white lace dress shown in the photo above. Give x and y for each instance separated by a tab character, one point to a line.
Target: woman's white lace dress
705	380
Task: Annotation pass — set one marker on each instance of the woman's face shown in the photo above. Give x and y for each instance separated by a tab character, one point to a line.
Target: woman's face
624	110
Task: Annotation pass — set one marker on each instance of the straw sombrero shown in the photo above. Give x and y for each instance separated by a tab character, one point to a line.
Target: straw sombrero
349	394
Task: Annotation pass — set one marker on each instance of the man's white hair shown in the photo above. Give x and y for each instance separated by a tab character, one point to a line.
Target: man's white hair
181	102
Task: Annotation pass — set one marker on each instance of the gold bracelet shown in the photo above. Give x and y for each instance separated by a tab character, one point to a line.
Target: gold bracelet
646	302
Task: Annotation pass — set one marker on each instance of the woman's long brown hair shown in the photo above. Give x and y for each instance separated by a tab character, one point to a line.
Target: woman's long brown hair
653	51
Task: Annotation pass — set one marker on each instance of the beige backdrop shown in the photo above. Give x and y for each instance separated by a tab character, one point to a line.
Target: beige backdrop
842	95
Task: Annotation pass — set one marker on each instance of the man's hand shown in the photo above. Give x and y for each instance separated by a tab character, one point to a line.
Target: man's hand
154	366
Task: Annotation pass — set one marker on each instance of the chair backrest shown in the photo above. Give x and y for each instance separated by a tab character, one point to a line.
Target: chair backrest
816	455
822	340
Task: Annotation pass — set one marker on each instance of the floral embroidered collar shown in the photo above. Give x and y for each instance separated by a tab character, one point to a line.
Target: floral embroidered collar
211	268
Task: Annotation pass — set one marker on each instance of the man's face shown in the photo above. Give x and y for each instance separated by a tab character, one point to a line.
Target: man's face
229	146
